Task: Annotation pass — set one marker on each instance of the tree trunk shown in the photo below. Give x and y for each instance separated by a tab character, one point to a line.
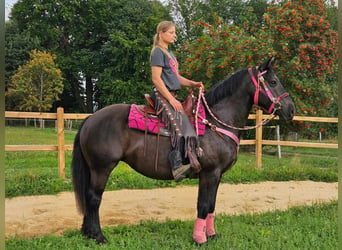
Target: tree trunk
89	94
76	90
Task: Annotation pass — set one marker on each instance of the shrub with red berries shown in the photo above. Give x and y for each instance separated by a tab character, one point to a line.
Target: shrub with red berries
298	33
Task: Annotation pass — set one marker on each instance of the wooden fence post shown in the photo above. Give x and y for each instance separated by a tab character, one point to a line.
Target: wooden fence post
60	138
258	140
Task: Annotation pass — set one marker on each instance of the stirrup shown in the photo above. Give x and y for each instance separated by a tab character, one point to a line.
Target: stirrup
181	172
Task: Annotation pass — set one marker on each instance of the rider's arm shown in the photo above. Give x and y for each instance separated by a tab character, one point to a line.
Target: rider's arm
189	83
161	87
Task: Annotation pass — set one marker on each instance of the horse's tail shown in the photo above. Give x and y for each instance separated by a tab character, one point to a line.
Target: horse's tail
80	174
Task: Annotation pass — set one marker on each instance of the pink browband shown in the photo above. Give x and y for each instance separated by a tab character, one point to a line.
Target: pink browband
275	101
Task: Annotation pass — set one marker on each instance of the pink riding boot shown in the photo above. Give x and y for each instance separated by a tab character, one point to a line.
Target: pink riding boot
210	230
199	234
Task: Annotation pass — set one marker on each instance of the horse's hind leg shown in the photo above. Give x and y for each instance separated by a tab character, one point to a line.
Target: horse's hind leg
91	221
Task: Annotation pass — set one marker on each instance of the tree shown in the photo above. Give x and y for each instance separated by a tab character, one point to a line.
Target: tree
18	46
74	31
297	34
221	50
232	12
185	13
37	84
92	41
307	50
126	55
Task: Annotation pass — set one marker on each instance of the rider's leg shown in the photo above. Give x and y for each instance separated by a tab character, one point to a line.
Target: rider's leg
184	140
179	170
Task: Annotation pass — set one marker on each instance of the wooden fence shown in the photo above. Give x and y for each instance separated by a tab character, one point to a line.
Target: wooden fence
60	116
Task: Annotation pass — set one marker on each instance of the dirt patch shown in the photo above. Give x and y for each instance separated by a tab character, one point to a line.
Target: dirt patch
52	214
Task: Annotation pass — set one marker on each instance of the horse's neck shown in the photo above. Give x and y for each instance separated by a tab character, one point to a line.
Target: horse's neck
233	110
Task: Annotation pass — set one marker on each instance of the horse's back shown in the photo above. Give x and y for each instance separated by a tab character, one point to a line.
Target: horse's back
102	135
104	120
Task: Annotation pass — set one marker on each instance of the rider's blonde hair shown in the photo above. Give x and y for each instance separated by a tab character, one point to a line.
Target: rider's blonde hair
162	27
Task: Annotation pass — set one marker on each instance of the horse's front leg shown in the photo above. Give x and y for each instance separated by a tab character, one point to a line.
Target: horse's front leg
207	191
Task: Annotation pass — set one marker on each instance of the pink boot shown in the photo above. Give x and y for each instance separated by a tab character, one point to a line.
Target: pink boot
199	231
210	230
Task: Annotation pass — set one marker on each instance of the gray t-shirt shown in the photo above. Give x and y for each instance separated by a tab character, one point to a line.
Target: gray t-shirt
170	68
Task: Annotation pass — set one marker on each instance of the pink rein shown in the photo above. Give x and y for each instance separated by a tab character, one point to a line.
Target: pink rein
213	127
273	107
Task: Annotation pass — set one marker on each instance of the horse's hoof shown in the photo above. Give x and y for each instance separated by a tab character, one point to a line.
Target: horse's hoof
98	237
100	240
212	237
199	244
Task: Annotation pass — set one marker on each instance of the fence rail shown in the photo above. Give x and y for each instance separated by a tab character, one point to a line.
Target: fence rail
60	116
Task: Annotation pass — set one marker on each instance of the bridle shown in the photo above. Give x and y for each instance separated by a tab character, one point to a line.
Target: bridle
273	108
275	100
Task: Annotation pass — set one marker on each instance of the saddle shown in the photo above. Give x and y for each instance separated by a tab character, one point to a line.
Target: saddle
189	106
145	118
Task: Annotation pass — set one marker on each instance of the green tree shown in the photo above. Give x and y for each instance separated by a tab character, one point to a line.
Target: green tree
127	74
221	50
232	12
83	36
307	50
18	46
74	31
297	34
37	84
185	13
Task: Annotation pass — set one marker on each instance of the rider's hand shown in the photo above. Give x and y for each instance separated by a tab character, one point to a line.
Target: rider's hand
198	85
177	106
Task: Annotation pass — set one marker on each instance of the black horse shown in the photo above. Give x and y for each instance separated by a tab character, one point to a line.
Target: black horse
104	139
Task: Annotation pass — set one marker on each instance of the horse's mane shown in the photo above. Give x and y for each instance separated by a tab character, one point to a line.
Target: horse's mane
225	88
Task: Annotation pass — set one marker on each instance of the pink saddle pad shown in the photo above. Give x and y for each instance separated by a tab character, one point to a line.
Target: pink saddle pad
137	120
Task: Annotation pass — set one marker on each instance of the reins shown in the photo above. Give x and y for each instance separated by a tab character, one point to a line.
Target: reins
263	122
274	106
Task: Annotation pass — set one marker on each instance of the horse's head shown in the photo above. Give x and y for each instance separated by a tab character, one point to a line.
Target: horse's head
270	93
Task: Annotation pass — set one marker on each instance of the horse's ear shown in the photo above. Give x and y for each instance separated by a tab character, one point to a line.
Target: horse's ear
272	61
267	64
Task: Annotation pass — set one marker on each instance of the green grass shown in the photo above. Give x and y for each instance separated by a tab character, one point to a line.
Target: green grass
306	227
32	136
292	151
33	173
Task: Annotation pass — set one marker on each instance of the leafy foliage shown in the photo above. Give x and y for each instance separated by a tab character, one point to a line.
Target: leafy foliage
298	34
98	43
103	46
37	84
307	49
127	76
221	50
18	46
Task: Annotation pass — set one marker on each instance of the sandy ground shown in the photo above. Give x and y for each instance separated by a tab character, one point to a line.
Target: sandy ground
52	214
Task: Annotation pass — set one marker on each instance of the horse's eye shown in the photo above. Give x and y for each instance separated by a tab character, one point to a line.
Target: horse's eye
273	83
